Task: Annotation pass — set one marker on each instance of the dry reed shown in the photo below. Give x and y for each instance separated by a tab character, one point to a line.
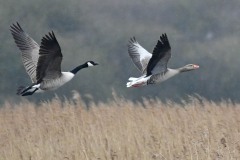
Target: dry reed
120	130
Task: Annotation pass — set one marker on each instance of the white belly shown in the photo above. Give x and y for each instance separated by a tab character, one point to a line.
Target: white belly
56	83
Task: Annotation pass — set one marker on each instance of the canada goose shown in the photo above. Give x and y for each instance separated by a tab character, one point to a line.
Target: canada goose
42	63
153	66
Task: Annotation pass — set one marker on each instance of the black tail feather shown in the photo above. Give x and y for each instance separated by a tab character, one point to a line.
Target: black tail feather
20	89
26	91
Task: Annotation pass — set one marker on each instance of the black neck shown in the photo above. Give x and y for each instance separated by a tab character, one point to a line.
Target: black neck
75	70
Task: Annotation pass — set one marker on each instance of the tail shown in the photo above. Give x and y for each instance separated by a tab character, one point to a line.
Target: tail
137	82
132	79
27	91
129	84
20	89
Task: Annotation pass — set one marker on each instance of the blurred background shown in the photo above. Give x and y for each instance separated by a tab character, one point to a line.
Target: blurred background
203	32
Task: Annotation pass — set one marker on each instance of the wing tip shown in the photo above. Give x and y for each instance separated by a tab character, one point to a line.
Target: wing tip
49	44
164	40
15	28
50	36
133	39
53	34
163	36
132	42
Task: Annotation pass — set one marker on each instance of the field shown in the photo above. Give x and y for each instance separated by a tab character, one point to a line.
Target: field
120	130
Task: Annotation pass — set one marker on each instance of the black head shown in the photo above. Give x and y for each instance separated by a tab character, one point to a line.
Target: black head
91	63
85	65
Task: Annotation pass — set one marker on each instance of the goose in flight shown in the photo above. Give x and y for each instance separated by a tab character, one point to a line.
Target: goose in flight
153	66
42	63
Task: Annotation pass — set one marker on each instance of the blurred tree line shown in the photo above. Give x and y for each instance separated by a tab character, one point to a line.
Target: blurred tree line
202	32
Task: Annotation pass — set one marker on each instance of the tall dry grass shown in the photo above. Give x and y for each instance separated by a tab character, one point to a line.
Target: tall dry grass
120	130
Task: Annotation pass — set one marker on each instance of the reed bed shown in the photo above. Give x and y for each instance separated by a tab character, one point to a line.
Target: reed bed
120	130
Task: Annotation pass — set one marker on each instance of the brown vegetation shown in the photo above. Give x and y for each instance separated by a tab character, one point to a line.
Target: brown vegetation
120	130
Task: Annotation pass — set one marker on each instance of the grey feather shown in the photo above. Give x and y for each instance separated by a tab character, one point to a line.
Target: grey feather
29	50
49	63
160	57
138	54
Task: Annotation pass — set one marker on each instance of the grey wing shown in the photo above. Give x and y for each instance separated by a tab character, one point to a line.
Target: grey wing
29	49
160	57
161	66
138	54
49	62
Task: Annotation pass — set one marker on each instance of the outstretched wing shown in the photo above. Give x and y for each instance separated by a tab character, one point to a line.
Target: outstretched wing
138	54
29	50
160	57
50	58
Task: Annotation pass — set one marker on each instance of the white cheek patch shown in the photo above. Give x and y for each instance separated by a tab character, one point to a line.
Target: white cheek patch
89	64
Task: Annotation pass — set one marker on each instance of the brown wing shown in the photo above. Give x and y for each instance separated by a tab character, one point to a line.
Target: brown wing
50	58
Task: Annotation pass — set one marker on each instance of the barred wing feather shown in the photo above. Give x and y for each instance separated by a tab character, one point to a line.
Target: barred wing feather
138	54
29	50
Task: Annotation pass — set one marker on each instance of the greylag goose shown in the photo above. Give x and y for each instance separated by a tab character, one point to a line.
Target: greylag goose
42	63
153	66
